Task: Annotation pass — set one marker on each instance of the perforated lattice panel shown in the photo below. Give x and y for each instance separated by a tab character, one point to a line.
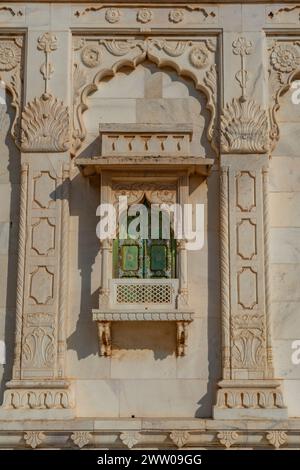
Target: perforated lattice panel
144	294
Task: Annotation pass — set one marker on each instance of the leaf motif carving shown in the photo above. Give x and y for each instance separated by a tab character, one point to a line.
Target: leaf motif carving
45	125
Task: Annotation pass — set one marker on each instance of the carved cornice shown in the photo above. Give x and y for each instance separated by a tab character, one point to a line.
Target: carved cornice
98	58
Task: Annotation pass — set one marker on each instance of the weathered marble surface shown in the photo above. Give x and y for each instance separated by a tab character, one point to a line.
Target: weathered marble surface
59	272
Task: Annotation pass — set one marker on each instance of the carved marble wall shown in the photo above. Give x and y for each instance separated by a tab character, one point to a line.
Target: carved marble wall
229	72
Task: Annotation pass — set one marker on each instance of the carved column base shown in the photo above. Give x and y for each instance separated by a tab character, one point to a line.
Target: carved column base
254	399
28	395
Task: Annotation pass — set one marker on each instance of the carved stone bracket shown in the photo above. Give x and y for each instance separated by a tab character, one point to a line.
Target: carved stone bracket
105	336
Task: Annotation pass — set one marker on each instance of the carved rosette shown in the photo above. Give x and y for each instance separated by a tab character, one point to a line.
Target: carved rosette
91	56
10	55
144	15
113	15
244	128
199	56
176	16
45	125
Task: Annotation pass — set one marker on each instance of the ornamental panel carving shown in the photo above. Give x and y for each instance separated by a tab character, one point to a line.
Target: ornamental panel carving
245	191
38	348
44	190
248	341
43	236
246	239
247	288
41	285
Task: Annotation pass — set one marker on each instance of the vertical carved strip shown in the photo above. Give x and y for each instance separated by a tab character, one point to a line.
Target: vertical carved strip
21	269
265	176
63	293
224	262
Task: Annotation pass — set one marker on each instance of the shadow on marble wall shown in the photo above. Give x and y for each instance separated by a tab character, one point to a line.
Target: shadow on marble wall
10	180
85	196
213	332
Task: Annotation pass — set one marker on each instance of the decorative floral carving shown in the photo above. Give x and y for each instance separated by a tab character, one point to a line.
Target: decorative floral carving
34	438
198	56
45	125
38	399
78	43
38	348
130	438
180	438
176	16
242	47
136	50
47	42
244	128
10	55
144	15
81	438
118	48
172	50
154	193
254	397
227	438
112	15
79	79
91	56
284	58
277	438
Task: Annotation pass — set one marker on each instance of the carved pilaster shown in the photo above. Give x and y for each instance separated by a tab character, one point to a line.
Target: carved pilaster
248	388
21	270
224	264
38	374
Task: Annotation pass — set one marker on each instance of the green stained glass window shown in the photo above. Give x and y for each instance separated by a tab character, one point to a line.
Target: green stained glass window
144	258
130	258
158	257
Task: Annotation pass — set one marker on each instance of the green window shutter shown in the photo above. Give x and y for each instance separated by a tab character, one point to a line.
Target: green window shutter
148	259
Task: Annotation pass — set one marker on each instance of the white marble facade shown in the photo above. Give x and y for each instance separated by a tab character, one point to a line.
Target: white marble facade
218	369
